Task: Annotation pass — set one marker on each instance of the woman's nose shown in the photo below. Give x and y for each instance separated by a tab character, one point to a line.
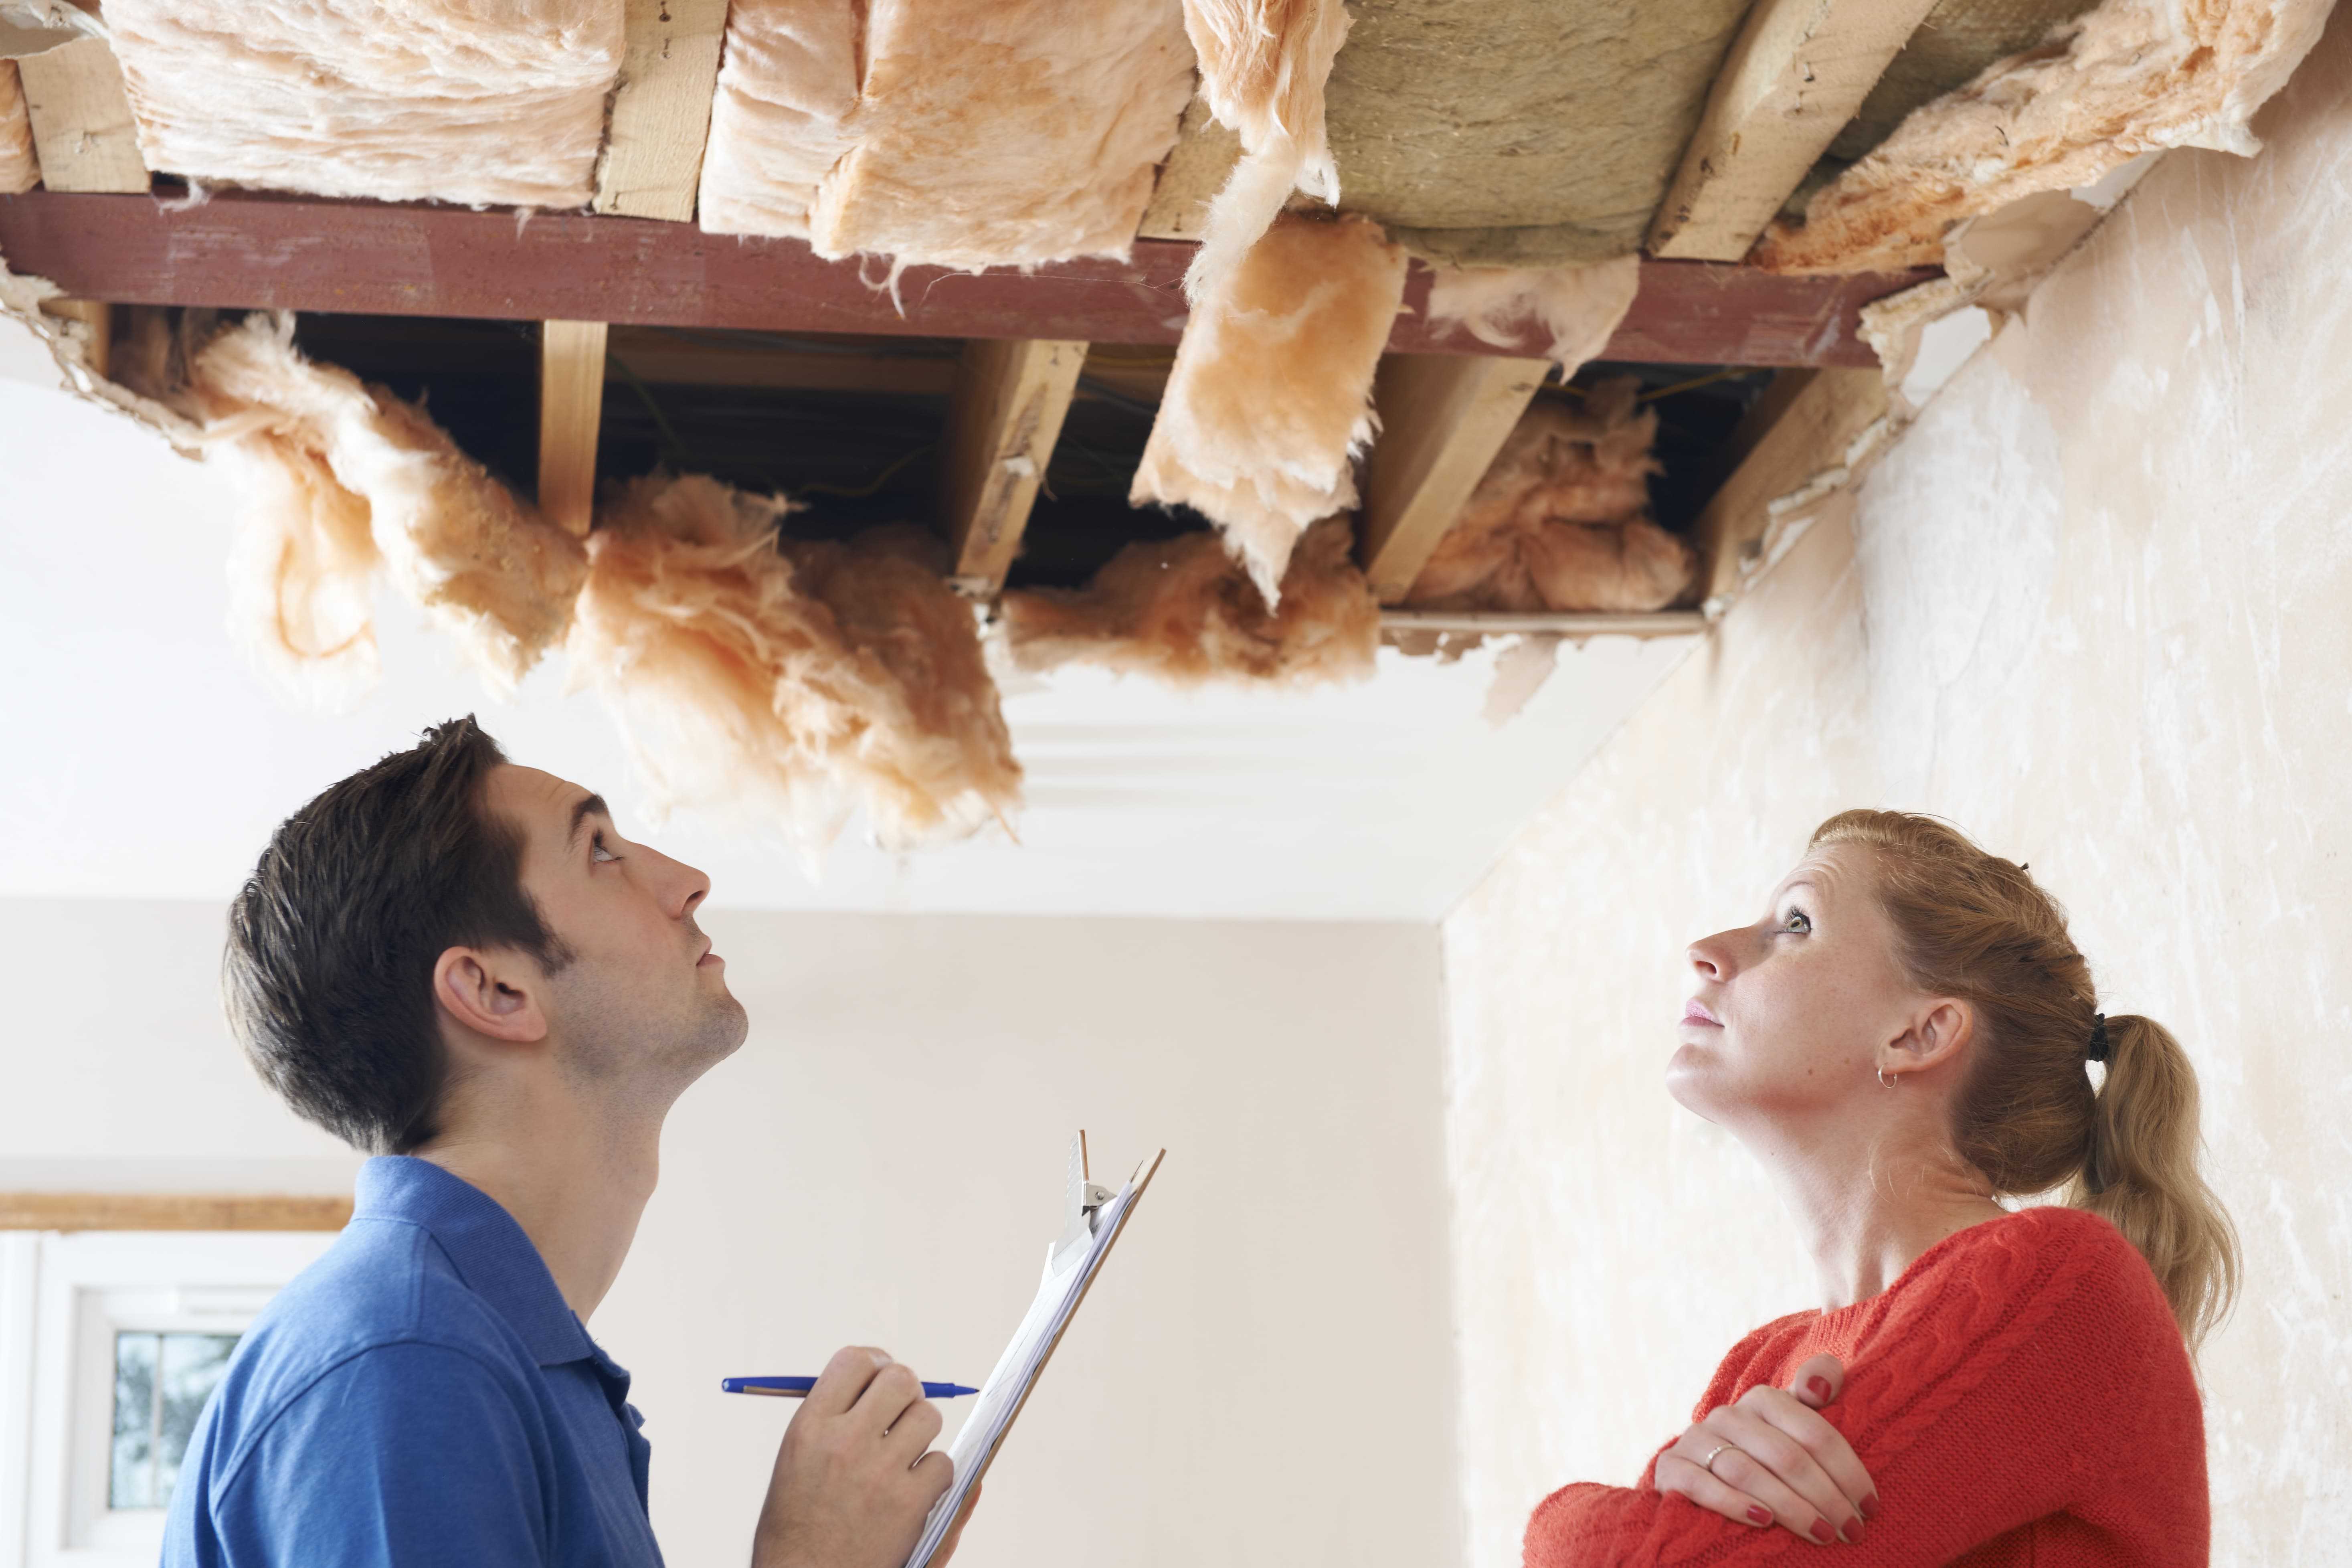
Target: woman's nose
1711	956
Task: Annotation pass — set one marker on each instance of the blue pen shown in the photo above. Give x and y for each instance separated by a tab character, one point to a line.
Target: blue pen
798	1388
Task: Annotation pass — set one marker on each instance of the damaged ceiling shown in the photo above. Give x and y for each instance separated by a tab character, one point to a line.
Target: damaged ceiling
1256	343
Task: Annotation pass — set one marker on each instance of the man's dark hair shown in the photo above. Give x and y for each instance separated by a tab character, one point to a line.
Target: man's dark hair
331	943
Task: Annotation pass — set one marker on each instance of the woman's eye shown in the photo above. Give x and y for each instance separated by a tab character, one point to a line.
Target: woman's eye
1798	921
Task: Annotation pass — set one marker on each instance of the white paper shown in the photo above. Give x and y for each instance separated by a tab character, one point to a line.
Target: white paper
999	1397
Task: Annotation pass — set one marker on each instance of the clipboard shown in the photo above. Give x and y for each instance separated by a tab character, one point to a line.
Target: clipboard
1094	1218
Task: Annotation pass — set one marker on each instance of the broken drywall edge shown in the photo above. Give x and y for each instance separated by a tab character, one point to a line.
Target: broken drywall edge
69	343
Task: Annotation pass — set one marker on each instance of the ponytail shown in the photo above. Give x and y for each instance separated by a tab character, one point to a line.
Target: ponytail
2139	1173
1974	926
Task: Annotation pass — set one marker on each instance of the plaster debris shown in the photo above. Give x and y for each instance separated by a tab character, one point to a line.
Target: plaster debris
982	134
339	480
1560	521
443	101
20	170
1577	307
787	685
1263	66
1270	398
2126	78
1181	611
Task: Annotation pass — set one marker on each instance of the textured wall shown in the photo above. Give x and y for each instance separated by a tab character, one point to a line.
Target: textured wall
2094	609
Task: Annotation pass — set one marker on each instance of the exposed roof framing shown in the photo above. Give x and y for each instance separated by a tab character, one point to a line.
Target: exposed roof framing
256	251
1443	419
1796	76
571	412
652	160
1003	417
1806	425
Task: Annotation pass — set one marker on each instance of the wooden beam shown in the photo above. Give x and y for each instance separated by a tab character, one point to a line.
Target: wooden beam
80	117
652	160
97	318
1443	419
1796	74
169	1211
245	250
1003	417
1822	413
571	410
655	355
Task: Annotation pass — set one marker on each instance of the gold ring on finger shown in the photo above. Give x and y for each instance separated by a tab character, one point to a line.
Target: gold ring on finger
1707	1464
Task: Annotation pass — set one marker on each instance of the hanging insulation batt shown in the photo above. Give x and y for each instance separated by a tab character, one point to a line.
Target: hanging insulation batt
422	99
1270	398
786	685
2127	78
20	170
1180	611
1559	520
1263	67
337	478
985	132
787	83
1577	307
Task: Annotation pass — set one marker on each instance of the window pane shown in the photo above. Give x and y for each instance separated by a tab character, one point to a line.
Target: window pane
131	1481
192	1368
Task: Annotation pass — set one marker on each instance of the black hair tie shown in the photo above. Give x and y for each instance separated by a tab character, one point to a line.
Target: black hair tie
2098	1050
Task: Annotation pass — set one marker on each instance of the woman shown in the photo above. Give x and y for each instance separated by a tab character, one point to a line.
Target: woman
1907	1037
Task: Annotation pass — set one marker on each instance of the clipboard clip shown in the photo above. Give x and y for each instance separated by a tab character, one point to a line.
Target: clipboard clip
1082	1203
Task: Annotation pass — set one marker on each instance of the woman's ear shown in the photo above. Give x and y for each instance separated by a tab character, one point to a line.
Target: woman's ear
1939	1033
492	992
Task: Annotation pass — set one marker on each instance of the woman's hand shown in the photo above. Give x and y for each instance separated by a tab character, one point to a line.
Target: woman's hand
1780	1461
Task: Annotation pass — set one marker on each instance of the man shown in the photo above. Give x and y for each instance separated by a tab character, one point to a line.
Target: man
458	964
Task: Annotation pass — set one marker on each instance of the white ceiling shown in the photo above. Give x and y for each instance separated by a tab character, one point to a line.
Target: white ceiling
143	760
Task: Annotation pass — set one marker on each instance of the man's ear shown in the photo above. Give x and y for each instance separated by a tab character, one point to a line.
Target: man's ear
491	990
1939	1033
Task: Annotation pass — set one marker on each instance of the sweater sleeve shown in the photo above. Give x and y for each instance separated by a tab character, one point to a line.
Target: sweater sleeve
2033	1370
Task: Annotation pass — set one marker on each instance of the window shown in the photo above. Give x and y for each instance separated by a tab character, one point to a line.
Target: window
111	1342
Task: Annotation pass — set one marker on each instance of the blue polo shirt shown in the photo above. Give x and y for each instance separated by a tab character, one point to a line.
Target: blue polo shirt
419	1395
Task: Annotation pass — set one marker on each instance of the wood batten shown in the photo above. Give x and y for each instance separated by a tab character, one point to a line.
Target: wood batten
571	409
1807	430
652	160
1003	417
1443	419
98	320
1795	78
1564	623
81	118
170	1211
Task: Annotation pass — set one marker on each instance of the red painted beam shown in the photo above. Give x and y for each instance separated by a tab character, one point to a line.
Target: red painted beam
253	251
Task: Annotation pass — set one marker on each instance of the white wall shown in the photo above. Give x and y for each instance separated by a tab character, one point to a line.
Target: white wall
1263	1376
2094	608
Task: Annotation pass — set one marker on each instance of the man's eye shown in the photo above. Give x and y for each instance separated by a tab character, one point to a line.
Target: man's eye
597	852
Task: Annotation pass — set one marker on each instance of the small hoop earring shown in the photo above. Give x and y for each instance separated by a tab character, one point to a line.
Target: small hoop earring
1884	1082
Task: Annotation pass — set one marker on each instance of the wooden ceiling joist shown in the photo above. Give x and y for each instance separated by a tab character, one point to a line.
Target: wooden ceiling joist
571	414
80	117
1793	78
1443	419
1003	417
239	250
1805	426
652	160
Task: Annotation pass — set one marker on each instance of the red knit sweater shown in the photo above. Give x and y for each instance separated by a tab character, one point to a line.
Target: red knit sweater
2020	1396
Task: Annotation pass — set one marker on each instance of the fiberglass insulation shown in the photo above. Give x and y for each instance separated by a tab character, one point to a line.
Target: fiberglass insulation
2127	78
19	169
790	681
1270	398
398	99
1559	521
1181	610
337	480
984	132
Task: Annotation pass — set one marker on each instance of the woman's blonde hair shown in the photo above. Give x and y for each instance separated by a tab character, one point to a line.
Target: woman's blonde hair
1973	926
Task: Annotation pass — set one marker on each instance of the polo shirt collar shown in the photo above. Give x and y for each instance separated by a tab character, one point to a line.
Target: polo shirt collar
488	1249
